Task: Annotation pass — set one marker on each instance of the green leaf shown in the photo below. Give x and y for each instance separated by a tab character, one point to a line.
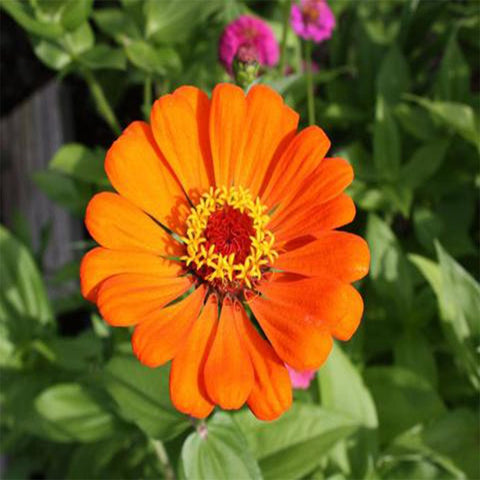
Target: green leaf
425	161
77	353
413	351
51	54
458	117
104	57
403	399
23	293
394	76
142	395
172	21
389	269
20	12
65	191
71	414
155	60
73	14
386	142
415	121
78	161
115	23
79	40
458	296
453	78
342	389
295	444
220	452
451	442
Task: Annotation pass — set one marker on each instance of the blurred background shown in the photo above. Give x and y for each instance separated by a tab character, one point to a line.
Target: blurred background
396	86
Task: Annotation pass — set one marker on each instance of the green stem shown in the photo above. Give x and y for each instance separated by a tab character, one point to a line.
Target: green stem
309	76
163	458
147	97
285	29
101	102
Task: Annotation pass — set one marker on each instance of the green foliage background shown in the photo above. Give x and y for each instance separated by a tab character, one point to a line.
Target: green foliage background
398	93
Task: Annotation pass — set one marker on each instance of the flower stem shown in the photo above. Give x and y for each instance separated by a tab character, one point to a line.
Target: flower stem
309	77
163	458
285	28
103	106
147	97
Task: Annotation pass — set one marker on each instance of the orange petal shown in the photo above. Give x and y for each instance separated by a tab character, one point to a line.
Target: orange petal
130	298
227	131
228	369
300	343
271	394
340	254
187	384
315	219
325	183
348	325
157	339
300	158
116	223
178	133
269	125
200	104
139	172
101	263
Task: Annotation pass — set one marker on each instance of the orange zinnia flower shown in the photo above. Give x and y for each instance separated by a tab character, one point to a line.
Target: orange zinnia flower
220	247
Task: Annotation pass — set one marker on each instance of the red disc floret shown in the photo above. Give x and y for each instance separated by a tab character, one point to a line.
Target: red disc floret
230	230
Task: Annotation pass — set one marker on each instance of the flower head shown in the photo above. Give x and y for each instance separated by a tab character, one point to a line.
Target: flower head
220	247
248	34
312	20
299	379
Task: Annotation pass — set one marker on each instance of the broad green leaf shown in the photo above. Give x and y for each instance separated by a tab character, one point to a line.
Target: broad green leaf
78	353
415	121
386	142
218	452
155	60
413	351
51	54
403	399
71	414
79	40
342	389
295	444
65	191
458	297
394	76
73	14
20	12
23	293
453	78
451	441
117	24
142	395
104	57
425	161
389	269
458	117
172	21
78	161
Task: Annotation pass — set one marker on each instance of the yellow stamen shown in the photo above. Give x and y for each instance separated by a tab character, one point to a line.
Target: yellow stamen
223	267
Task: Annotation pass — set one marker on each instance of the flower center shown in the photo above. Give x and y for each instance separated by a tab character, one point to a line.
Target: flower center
227	243
310	12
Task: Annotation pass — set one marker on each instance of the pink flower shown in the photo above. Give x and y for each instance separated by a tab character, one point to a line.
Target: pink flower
312	20
300	379
250	33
